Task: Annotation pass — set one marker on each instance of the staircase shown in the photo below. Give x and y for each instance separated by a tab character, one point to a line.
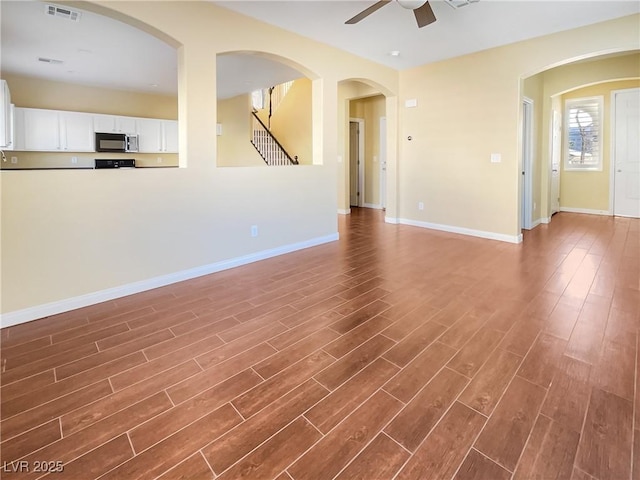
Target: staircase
267	146
278	93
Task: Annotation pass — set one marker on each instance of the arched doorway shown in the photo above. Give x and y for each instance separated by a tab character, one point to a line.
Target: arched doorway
367	146
555	187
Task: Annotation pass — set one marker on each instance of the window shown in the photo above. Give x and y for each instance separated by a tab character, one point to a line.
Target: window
258	99
583	127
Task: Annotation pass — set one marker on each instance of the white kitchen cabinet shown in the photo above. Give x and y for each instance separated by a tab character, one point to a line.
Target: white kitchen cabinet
6	133
157	136
149	135
114	124
41	130
76	132
170	131
103	123
17	115
56	131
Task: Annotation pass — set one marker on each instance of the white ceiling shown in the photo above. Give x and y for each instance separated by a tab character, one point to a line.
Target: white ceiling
242	73
95	50
475	27
103	52
100	51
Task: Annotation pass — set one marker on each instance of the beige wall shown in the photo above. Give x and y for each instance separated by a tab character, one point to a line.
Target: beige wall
234	145
370	109
470	107
589	190
28	92
70	237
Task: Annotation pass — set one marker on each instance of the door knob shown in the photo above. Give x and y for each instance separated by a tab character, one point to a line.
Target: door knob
619	171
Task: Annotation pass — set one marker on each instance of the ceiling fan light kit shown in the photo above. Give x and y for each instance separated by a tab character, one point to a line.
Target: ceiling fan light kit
411	4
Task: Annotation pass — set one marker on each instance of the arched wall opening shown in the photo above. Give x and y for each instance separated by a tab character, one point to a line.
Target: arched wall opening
555	189
265	111
113	73
374	108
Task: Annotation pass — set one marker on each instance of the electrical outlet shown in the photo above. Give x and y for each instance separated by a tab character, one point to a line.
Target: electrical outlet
74	160
254	230
420	205
534	205
159	160
14	159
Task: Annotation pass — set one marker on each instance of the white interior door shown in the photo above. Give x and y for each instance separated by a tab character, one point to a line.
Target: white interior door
556	149
626	154
527	155
383	162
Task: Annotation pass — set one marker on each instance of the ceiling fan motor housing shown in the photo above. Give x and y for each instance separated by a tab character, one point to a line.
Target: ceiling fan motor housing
411	4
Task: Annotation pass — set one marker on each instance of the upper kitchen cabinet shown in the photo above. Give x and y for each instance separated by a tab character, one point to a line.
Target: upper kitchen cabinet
17	114
170	135
157	136
77	132
114	124
6	119
41	129
149	135
52	130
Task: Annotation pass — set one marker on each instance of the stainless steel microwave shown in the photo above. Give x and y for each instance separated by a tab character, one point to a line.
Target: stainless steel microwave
116	142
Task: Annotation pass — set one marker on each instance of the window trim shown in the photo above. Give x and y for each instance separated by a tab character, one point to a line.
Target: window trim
569	103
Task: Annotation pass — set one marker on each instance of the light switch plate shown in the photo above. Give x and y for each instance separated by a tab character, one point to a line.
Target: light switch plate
412	102
496	158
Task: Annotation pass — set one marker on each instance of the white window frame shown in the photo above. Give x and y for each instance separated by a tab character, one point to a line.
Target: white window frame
258	99
571	103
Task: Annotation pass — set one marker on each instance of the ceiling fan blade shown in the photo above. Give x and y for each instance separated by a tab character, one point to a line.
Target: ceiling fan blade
424	15
368	11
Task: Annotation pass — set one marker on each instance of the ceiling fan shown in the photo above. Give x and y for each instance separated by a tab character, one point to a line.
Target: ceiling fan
421	9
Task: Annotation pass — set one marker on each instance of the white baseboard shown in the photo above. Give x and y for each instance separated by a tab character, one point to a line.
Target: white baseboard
535	223
372	205
60	306
545	220
585	210
392	220
342	211
463	231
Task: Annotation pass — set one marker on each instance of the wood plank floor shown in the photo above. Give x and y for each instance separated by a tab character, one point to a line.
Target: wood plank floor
396	352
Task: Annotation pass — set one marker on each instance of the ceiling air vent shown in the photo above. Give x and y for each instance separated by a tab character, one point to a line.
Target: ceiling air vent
60	12
460	3
51	61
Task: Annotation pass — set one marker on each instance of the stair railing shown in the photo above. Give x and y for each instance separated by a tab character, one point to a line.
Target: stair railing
268	146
